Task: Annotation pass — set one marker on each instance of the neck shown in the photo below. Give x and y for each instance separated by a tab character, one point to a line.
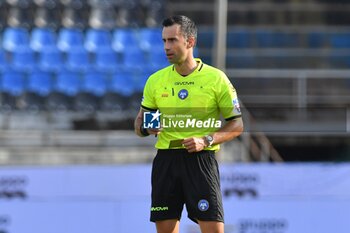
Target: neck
186	67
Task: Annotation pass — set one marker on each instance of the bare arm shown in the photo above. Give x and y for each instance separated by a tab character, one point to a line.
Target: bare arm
229	131
138	122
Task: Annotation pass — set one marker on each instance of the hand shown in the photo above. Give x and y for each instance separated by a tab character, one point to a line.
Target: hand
154	131
194	144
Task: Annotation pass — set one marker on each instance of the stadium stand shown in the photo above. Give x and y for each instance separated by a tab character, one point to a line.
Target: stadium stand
71	57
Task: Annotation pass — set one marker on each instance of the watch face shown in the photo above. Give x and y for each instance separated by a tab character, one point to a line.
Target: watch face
209	139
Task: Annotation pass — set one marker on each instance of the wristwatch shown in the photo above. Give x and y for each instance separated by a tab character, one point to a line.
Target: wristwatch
209	139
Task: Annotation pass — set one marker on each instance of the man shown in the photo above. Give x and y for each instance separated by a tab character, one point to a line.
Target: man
189	97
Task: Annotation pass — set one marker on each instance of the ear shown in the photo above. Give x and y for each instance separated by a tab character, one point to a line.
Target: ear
191	42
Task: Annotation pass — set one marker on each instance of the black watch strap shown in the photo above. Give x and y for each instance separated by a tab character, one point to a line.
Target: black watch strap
143	131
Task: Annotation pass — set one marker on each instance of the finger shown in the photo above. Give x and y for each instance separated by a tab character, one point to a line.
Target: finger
191	150
186	140
186	144
156	130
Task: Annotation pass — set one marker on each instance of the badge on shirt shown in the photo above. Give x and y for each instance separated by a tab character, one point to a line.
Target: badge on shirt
182	94
236	106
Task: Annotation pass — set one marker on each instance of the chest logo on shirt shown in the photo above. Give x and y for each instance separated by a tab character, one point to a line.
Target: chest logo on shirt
183	94
184	83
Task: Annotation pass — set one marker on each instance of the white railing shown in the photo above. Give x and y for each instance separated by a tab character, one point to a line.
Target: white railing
301	76
256	142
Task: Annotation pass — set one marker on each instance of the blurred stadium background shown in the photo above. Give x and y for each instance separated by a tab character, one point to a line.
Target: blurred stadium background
72	73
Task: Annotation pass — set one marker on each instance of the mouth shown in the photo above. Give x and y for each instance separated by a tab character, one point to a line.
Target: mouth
169	55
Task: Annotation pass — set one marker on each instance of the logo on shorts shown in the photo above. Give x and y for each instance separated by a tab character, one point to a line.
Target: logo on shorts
203	205
159	208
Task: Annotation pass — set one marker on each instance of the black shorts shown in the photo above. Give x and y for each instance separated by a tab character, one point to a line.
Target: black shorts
179	178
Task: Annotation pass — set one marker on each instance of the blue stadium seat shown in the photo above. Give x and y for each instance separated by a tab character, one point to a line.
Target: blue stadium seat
70	39
276	39
95	83
12	86
96	39
67	83
140	79
119	92
340	40
107	60
265	38
124	38
94	87
40	83
206	38
158	59
51	60
134	58
150	38
122	83
316	39
289	39
39	86
207	59
239	38
24	60
15	39
3	61
13	82
78	60
42	39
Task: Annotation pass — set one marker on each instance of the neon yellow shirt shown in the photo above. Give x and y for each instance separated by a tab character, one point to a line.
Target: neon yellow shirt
191	105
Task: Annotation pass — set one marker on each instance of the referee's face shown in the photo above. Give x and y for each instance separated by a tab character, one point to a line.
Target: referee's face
176	46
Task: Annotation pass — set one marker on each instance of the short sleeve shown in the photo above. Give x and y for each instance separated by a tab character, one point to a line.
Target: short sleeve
227	99
148	100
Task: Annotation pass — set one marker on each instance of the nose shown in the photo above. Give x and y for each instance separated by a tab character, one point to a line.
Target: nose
166	45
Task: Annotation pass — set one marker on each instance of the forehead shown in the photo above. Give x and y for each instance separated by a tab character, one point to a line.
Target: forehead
171	31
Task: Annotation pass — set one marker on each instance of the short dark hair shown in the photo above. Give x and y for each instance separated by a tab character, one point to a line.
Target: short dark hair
187	26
